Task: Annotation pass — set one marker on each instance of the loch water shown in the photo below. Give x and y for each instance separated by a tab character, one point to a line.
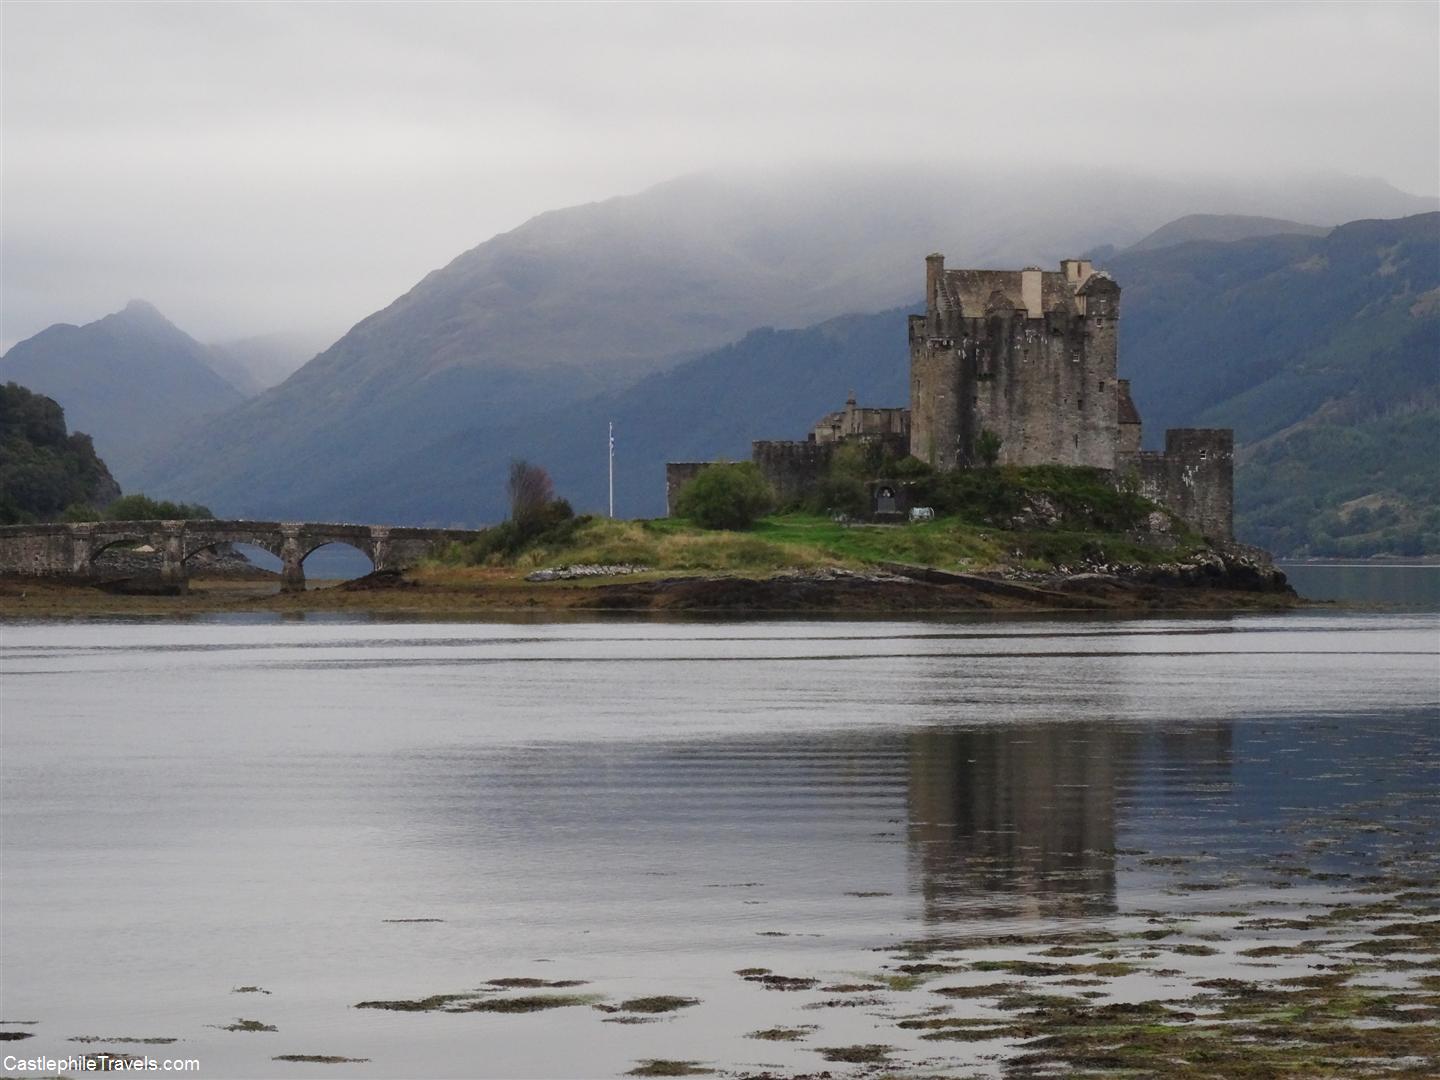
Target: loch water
335	812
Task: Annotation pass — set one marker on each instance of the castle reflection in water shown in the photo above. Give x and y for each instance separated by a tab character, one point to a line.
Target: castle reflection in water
1017	822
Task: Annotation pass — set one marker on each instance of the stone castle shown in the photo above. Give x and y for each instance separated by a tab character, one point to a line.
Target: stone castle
1030	356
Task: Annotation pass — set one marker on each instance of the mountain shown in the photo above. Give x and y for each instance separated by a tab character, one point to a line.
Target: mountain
44	470
1222	227
1323	353
514	334
257	363
771	384
1319	350
128	379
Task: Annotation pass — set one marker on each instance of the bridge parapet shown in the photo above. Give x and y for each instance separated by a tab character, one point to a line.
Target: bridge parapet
69	549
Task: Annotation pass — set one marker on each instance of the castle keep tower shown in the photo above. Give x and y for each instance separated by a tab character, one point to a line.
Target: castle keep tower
1029	355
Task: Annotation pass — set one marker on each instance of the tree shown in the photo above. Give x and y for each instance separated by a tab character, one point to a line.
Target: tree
140	507
725	495
530	490
987	448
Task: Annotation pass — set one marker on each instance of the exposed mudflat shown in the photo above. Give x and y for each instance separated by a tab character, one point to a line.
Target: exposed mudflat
1217	584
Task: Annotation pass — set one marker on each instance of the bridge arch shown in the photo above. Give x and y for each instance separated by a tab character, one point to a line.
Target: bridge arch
263	554
101	544
197	541
339	550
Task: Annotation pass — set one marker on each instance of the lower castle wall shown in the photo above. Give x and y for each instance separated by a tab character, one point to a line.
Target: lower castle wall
792	469
1194	478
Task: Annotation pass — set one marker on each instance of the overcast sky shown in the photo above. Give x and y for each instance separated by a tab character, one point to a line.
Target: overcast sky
252	168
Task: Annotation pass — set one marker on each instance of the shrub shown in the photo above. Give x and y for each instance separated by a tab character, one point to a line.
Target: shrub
144	508
841	495
726	496
911	468
987	448
553	525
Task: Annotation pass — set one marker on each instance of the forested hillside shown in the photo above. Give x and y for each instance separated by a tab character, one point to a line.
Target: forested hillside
44	469
1323	353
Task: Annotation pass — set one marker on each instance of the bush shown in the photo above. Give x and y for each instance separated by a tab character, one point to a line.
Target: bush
144	508
841	495
726	496
911	468
1085	499
552	524
987	448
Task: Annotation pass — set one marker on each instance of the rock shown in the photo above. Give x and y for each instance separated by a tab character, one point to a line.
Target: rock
584	570
1038	512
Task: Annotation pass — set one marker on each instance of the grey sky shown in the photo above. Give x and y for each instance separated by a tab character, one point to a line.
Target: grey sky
258	167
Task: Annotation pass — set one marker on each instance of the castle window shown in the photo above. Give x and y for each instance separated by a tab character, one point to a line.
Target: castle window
1077	442
1102	386
1204	454
1074	356
1080	404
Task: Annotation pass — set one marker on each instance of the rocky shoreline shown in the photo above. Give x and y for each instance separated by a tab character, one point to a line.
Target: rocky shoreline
1214	579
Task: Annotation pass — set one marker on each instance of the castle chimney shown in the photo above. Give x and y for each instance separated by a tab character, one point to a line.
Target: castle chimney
1030	292
934	271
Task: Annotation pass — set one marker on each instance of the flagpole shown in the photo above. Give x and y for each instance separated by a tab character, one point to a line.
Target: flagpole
612	469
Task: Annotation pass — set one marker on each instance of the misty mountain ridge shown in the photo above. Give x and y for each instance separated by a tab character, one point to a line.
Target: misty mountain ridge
1222	227
129	380
254	364
585	300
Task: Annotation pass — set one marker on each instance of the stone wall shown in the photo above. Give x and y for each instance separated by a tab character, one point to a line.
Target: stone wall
1194	478
792	469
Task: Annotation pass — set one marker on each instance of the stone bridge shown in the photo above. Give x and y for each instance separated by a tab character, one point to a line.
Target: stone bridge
69	550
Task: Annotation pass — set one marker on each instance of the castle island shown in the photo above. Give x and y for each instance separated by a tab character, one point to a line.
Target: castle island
1007	367
1028	360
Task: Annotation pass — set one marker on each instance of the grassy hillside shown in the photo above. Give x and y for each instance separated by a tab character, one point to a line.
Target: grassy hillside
1321	353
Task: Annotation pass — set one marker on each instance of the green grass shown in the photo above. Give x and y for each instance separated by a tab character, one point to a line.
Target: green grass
797	540
1037	518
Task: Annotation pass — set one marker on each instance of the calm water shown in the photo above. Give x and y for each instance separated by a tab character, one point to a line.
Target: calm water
1405	586
193	808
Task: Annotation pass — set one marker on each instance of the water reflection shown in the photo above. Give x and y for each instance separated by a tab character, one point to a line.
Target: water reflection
1010	823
